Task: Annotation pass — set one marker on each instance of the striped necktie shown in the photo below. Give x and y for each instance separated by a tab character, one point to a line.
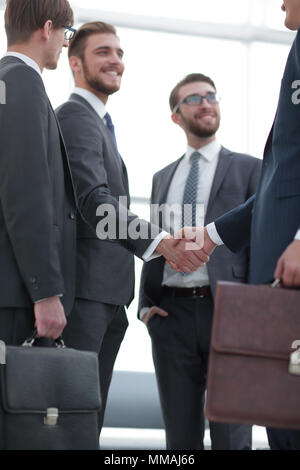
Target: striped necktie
190	193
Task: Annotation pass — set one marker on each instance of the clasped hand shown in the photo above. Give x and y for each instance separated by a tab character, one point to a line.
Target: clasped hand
189	249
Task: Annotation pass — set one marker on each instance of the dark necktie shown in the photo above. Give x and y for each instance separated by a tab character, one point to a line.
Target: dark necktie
189	202
111	129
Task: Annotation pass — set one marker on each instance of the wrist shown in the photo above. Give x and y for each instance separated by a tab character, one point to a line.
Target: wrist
208	243
48	300
162	246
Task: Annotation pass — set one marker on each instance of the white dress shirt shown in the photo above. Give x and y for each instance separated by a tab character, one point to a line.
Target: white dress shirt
100	109
209	157
215	237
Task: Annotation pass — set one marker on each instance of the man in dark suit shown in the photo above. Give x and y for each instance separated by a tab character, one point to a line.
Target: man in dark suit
269	222
105	264
178	309
37	202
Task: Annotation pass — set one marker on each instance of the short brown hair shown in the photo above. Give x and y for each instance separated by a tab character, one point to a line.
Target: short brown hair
191	78
24	17
78	43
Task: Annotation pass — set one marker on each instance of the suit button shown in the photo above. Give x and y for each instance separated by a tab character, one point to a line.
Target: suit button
72	216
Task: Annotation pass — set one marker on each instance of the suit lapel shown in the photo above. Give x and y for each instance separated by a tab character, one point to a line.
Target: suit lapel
270	137
103	128
224	162
75	97
165	181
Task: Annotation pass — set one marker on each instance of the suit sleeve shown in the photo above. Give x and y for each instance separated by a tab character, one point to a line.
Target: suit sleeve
86	155
254	177
234	227
144	299
26	188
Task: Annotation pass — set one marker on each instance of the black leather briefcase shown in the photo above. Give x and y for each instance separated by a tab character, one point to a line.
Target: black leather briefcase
49	398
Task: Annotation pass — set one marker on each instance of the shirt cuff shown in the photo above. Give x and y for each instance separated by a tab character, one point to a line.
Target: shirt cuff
150	252
297	236
213	234
41	300
143	312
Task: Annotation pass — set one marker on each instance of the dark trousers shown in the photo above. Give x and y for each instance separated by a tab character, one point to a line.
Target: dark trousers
283	439
16	325
180	347
98	327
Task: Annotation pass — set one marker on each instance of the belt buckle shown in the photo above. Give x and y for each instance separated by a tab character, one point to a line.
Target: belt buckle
200	296
194	293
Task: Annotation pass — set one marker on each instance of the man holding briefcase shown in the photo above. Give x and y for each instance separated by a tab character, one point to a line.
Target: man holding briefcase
40	407
269	222
37	203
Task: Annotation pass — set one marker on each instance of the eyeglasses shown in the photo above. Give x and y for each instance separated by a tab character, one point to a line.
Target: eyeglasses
69	33
196	100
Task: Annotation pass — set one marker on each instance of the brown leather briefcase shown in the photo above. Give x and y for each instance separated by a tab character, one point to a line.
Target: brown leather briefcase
254	366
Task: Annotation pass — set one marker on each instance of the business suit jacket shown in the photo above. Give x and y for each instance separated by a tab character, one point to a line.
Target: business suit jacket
37	202
235	180
105	267
269	221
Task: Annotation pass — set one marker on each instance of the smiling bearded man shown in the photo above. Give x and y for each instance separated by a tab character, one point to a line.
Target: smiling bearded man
105	262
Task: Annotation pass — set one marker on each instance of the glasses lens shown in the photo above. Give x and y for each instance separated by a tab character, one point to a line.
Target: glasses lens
211	98
69	34
193	100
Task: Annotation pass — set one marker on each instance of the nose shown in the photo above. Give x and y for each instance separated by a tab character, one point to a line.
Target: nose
205	103
115	58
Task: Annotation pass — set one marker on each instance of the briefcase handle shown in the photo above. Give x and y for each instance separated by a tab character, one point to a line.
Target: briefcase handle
29	342
276	283
294	363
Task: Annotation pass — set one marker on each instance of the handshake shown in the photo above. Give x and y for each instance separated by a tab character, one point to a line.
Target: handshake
187	250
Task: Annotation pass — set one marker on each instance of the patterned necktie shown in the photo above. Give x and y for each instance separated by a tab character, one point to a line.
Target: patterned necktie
111	129
189	202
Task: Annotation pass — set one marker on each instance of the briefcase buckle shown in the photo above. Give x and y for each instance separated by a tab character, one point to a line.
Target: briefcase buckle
51	417
294	365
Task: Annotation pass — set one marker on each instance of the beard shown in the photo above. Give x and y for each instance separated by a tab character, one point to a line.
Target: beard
201	130
95	83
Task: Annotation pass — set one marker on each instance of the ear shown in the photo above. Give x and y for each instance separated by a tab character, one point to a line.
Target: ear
176	118
75	64
47	29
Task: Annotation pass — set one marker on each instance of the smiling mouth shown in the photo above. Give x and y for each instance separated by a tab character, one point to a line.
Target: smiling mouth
200	116
112	73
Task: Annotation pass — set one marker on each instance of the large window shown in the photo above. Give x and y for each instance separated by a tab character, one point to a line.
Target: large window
231	11
241	44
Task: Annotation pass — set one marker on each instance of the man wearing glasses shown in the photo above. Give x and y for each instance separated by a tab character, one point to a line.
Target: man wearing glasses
37	209
178	308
